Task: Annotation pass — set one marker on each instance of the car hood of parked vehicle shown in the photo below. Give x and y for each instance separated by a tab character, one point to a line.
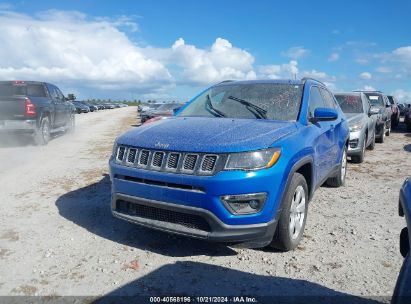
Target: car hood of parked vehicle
353	118
210	135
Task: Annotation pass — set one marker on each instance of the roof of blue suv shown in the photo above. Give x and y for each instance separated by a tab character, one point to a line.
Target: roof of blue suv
274	81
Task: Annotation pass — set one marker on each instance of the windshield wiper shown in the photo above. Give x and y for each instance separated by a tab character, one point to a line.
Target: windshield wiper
210	108
256	110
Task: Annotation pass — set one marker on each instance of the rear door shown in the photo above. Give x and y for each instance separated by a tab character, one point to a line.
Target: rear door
58	106
12	100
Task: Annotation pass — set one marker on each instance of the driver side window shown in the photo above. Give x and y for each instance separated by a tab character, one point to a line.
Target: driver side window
315	101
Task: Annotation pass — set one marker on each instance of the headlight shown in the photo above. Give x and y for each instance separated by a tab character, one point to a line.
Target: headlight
253	160
356	127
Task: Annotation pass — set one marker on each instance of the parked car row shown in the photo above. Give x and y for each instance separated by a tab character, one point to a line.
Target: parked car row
158	111
86	107
371	115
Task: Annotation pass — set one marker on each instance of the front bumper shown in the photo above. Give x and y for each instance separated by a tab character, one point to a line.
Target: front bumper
199	196
189	221
356	142
18	125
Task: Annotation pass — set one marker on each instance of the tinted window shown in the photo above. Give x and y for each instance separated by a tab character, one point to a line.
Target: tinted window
350	103
274	101
316	100
11	89
391	100
36	90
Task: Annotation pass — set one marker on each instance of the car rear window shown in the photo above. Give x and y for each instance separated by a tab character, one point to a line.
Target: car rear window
350	103
13	89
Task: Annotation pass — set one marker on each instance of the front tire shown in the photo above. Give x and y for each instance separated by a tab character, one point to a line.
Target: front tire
42	135
339	179
293	217
372	144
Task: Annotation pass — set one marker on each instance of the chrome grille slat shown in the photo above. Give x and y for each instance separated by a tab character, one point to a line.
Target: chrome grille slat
190	161
144	156
208	163
157	160
120	153
131	155
172	161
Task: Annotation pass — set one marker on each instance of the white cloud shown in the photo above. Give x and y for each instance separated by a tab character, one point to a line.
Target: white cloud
61	46
402	95
286	70
383	69
334	57
368	88
365	75
295	52
203	66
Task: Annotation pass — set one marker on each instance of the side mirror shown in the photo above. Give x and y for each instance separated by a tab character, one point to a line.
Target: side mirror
374	111
324	114
388	105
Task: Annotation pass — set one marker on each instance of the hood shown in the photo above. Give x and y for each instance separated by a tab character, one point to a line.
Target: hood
212	135
353	118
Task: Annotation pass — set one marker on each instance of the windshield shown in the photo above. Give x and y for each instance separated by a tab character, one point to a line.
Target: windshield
375	100
350	103
257	100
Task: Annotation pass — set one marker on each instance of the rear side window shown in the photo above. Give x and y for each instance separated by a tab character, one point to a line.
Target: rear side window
12	89
36	90
316	100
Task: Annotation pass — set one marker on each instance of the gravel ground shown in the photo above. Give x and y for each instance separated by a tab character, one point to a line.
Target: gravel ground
58	238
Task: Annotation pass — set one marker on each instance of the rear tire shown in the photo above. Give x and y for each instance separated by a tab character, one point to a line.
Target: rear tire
339	179
291	222
42	135
388	132
382	138
372	144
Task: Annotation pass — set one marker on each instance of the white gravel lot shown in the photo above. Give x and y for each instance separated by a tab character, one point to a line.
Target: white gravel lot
58	238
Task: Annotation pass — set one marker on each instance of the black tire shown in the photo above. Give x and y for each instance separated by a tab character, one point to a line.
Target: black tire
42	135
382	137
388	132
358	159
287	237
339	179
372	144
71	124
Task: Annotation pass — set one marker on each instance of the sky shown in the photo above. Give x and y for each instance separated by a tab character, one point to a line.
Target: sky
172	50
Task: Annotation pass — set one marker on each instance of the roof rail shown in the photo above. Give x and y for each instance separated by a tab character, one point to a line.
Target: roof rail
229	80
376	91
310	78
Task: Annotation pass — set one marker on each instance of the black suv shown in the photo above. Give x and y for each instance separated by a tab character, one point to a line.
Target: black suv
37	108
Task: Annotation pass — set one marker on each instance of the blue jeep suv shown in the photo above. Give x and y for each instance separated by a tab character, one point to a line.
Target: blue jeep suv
238	164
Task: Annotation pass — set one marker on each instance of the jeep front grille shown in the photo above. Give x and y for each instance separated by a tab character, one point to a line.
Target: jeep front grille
176	162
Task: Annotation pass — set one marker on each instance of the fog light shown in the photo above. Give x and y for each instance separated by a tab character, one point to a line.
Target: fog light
244	203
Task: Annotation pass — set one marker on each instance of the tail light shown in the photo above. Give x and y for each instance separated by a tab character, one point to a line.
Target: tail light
30	108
